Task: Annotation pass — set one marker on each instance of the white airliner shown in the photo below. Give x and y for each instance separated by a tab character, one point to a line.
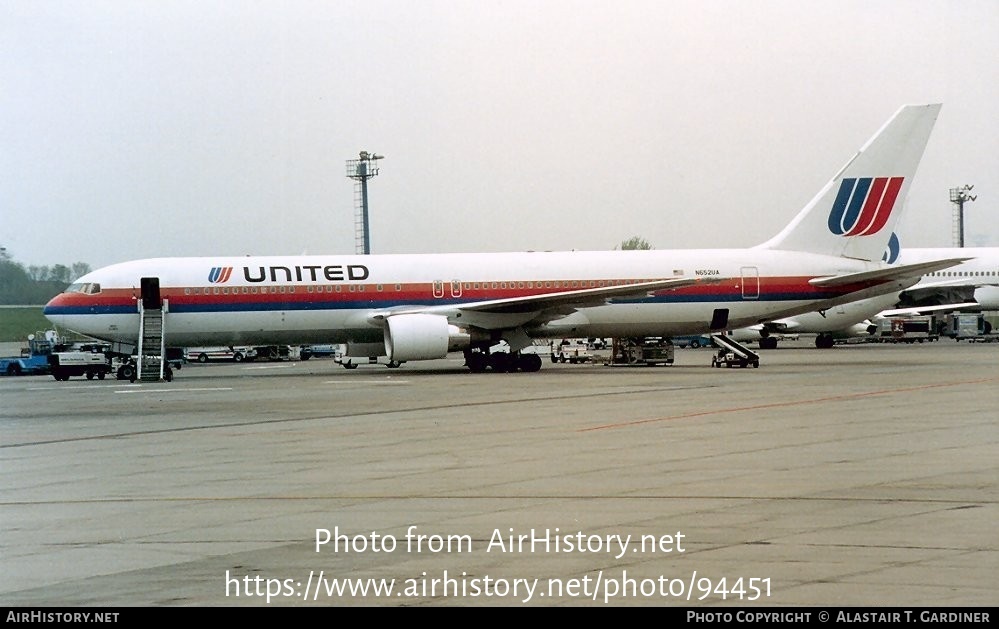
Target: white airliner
972	285
421	306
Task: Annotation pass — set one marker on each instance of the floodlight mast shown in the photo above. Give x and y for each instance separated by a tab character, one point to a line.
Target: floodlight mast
360	170
958	196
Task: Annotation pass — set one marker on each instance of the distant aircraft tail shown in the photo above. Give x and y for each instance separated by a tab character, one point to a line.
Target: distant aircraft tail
855	214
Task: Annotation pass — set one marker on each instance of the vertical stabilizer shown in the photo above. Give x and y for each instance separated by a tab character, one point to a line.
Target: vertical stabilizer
855	214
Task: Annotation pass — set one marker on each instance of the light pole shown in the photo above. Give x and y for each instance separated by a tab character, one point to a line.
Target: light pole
360	170
958	196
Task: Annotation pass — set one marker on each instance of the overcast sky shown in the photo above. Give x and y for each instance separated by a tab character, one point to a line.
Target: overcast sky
133	129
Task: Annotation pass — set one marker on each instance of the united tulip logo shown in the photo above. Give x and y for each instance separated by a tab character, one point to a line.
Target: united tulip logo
219	274
863	205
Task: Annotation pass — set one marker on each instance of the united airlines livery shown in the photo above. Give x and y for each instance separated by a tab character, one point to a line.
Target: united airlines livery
423	306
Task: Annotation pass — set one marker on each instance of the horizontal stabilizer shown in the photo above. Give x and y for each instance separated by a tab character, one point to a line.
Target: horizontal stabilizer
897	272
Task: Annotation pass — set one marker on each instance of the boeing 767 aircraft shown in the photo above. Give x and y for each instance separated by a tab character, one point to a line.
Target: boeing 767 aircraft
411	307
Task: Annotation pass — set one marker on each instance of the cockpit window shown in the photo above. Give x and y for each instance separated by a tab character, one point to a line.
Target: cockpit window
87	288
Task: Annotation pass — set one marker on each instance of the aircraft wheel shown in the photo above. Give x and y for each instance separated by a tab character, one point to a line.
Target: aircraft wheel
529	362
501	362
477	362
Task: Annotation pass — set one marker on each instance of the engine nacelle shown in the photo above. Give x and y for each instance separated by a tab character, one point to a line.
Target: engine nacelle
422	337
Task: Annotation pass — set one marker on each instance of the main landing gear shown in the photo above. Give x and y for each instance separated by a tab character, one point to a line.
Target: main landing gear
501	362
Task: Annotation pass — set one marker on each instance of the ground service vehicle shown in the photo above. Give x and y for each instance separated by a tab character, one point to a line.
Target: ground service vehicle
969	326
692	340
568	352
908	329
89	363
34	359
317	351
733	354
649	350
233	354
271	352
725	358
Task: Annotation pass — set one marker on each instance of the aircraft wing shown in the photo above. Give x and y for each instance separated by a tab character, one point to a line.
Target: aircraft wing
895	272
946	290
963	281
516	311
962	292
919	310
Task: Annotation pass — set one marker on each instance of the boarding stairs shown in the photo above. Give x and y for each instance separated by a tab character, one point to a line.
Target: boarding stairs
152	344
732	353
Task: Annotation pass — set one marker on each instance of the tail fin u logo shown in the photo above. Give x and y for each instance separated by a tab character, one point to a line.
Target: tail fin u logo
863	205
219	274
891	253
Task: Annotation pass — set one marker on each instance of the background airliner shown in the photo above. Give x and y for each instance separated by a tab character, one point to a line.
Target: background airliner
420	307
972	285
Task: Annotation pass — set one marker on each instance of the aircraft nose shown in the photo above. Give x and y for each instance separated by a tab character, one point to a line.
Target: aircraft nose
53	310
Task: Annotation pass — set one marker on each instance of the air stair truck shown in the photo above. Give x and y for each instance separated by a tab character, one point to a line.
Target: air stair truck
732	353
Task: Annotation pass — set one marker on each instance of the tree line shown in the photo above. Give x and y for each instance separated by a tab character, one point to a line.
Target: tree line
34	285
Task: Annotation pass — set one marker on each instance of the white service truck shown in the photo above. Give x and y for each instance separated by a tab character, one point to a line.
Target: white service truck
65	365
571	352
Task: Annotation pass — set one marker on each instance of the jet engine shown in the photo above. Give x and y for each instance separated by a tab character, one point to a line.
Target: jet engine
423	337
